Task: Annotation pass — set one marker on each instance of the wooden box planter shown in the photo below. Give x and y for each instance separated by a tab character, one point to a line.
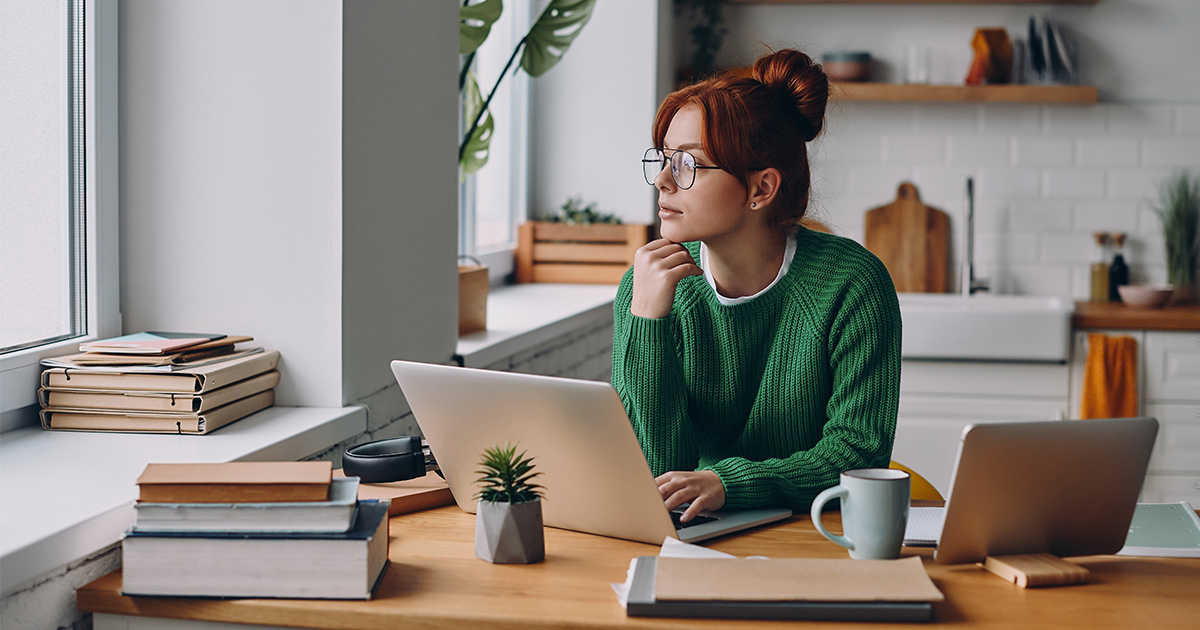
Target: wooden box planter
472	298
584	254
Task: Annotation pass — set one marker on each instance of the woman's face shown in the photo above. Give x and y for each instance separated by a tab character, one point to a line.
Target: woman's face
715	207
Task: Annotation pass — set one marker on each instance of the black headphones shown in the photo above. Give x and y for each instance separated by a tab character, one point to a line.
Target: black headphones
393	459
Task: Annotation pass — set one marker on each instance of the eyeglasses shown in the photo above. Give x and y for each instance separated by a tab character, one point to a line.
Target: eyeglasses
683	166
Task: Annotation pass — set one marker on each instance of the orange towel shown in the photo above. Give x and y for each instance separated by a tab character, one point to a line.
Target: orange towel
1110	378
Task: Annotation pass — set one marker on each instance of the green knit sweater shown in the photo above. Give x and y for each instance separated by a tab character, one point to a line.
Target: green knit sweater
777	395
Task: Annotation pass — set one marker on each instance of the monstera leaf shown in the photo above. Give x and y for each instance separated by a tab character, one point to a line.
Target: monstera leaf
474	152
475	22
552	34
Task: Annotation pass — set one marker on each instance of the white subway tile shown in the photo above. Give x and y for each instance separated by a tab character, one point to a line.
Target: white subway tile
1149	225
1081	282
1105	151
1052	280
1040	216
1076	119
971	151
865	116
1106	216
1187	119
1063	183
1071	248
914	150
1029	151
991	215
1010	183
943	181
878	181
850	148
1003	250
947	118
1127	119
1011	119
1135	184
1172	152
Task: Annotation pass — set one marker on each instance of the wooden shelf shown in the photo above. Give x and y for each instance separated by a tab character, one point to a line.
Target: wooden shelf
965	93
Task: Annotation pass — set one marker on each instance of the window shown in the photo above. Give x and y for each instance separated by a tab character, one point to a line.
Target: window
493	200
58	255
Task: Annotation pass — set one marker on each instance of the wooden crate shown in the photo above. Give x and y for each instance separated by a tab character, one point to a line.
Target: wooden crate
584	254
472	298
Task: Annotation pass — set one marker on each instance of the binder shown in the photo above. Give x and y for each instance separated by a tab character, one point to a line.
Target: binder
99	399
151	422
192	379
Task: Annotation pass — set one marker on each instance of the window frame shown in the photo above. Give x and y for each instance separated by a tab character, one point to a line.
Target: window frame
20	371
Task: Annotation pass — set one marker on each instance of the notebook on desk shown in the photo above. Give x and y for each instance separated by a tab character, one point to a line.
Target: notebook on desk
595	476
1066	488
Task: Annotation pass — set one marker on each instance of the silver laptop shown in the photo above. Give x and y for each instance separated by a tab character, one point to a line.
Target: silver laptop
1067	488
595	476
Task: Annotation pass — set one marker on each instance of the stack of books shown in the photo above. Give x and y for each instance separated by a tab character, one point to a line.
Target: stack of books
253	529
157	383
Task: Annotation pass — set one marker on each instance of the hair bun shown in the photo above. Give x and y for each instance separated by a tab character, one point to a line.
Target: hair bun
801	80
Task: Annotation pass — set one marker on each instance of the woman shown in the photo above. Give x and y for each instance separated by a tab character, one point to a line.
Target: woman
757	359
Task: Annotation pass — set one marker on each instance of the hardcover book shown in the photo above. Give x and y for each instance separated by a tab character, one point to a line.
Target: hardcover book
236	482
108	420
148	343
332	516
316	566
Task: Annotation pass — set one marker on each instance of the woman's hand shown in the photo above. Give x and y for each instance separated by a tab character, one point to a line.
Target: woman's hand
703	489
658	267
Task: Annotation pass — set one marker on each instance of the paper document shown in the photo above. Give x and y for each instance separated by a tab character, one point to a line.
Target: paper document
1170	530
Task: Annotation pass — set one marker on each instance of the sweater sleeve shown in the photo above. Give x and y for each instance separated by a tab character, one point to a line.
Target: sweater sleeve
649	378
859	420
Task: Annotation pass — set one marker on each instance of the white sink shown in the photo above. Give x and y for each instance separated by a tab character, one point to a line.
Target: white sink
985	327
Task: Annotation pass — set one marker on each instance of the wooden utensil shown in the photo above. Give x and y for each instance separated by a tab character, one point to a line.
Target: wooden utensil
912	240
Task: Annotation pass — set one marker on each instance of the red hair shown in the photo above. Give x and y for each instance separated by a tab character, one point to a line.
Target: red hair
760	121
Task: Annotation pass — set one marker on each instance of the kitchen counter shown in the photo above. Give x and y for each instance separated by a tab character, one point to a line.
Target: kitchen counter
1120	317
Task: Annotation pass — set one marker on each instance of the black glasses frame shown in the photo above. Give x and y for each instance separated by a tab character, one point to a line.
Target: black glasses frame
662	159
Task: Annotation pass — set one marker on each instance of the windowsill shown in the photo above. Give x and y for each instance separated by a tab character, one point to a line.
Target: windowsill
66	495
521	316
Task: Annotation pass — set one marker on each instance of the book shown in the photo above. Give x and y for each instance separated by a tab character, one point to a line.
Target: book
235	482
197	352
410	495
1163	529
95	399
186	378
109	420
332	516
789	588
298	565
147	343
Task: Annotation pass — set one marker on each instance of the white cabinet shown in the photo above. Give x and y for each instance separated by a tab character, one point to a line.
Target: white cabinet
1169	390
938	399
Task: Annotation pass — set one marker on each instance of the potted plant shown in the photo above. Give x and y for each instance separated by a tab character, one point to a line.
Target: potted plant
1179	212
578	244
508	520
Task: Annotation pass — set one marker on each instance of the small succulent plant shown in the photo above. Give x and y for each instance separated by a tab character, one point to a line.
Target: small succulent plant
576	212
506	477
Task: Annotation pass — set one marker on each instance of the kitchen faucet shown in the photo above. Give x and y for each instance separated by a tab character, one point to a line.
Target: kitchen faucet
970	284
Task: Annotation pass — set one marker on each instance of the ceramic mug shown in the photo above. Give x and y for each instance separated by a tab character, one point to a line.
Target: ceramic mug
874	512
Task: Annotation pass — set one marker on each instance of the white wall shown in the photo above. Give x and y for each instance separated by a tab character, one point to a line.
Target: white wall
1047	176
287	172
591	114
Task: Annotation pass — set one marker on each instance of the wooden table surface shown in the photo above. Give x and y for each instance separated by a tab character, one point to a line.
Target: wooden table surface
1114	315
435	581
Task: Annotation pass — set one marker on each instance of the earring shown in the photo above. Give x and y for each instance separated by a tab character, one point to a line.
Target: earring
753	205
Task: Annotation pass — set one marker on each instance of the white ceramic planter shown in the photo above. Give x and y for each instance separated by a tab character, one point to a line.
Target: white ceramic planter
509	533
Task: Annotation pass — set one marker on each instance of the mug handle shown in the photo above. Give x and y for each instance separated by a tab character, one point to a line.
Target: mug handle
838	492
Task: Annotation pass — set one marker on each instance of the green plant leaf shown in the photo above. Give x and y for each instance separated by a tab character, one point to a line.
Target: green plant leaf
558	25
475	23
478	145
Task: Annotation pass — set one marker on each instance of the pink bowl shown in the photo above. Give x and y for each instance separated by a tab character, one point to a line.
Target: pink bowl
1145	295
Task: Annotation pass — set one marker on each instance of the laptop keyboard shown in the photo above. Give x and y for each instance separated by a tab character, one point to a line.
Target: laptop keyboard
696	520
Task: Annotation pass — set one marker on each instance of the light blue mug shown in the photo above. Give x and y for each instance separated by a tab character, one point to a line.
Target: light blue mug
874	512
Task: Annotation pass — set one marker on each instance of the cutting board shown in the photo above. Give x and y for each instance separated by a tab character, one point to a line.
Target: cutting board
912	239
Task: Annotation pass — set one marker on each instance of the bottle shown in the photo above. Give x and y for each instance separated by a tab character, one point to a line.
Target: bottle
1099	270
1118	272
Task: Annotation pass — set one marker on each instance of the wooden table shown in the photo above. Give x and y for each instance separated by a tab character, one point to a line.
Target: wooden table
435	581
